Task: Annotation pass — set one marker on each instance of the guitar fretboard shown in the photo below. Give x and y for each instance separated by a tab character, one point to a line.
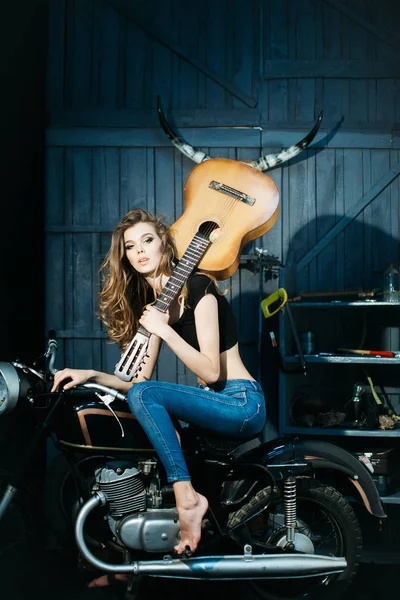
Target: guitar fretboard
189	261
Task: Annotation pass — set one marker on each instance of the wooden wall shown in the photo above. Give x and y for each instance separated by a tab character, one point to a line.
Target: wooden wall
236	78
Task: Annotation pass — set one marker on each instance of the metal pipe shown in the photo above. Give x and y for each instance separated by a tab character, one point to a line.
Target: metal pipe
6	499
296	337
272	566
247	566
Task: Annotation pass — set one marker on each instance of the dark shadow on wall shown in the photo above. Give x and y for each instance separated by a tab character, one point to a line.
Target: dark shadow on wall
23	46
356	258
257	353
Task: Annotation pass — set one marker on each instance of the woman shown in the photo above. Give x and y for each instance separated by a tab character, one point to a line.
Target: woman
200	329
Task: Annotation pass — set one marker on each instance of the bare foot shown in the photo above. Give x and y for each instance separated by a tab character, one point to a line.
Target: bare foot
106	580
191	507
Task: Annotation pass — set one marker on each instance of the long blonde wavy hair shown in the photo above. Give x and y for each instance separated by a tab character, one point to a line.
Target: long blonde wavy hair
125	292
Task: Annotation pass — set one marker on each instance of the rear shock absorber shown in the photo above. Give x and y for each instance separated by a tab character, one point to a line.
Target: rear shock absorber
290	506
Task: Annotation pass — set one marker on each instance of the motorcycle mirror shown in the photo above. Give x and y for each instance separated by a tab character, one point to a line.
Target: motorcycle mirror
52	346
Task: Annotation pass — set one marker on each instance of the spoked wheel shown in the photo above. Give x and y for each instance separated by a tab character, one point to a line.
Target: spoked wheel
63	502
326	525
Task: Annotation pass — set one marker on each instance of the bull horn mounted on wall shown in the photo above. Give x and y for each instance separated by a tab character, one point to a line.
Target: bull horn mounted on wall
265	162
231	202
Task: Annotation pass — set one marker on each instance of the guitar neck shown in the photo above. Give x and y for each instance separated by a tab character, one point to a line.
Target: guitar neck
189	261
136	351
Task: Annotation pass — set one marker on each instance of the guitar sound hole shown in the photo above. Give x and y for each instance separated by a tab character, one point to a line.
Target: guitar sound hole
210	230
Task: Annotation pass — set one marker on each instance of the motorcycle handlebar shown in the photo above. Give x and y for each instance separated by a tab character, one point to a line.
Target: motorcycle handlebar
106	390
51	353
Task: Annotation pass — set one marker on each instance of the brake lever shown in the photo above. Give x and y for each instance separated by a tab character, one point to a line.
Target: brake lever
108	396
107	399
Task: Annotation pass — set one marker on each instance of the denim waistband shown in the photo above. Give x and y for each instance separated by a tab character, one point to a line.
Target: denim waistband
220	386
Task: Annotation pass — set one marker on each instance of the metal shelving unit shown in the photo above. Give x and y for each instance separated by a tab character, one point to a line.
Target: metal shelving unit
340	304
310	310
344	359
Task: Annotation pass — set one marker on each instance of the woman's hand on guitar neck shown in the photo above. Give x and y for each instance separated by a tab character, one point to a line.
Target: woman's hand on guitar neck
154	321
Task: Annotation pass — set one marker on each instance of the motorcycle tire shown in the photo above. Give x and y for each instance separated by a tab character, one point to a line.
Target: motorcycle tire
62	501
323	516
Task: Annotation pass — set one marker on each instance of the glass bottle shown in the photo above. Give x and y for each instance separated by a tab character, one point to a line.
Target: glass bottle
391	281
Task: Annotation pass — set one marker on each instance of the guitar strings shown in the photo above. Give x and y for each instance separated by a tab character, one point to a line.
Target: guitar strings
227	209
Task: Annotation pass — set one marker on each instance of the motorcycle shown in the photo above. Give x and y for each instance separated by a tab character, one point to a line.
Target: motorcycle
275	521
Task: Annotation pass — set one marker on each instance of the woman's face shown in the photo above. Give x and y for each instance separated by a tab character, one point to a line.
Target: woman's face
143	248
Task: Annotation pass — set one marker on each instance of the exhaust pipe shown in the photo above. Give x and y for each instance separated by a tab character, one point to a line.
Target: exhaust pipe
246	566
272	566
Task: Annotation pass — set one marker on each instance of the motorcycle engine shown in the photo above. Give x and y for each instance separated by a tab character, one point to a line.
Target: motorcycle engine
131	497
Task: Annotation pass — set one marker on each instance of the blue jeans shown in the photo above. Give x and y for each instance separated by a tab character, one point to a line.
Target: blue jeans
234	408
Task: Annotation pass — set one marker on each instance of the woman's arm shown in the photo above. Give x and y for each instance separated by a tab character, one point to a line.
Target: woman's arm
80	376
206	363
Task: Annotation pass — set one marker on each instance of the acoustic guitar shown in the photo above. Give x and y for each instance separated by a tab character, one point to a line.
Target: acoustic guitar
227	205
233	204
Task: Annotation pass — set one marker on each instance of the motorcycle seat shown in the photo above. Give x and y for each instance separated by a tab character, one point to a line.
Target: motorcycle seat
224	447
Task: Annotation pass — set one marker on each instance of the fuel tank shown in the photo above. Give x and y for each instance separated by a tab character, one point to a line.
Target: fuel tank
85	421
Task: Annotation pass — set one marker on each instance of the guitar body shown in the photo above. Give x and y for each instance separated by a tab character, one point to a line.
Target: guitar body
237	201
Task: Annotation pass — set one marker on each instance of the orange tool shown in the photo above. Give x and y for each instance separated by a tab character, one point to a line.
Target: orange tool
381	353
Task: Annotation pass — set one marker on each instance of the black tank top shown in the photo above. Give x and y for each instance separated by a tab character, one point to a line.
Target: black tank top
198	286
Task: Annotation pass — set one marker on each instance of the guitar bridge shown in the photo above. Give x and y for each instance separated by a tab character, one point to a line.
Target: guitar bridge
229	191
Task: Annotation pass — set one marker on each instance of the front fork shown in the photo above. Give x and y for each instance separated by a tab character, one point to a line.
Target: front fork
18	476
290	509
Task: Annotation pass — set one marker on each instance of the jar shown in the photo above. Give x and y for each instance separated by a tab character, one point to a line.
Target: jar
308	342
391	284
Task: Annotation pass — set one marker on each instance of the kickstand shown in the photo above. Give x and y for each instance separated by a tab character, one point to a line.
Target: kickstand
133	588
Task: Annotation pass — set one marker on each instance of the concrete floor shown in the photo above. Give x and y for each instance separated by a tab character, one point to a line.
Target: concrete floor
24	576
28	570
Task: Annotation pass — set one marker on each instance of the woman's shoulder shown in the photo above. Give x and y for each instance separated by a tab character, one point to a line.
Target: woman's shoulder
200	281
199	285
199	276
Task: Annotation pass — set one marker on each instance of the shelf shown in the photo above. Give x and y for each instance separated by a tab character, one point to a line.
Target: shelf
293	430
391	498
336	329
342	304
341	359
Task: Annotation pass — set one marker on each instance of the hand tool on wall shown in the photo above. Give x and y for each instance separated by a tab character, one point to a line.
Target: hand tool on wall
270	306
